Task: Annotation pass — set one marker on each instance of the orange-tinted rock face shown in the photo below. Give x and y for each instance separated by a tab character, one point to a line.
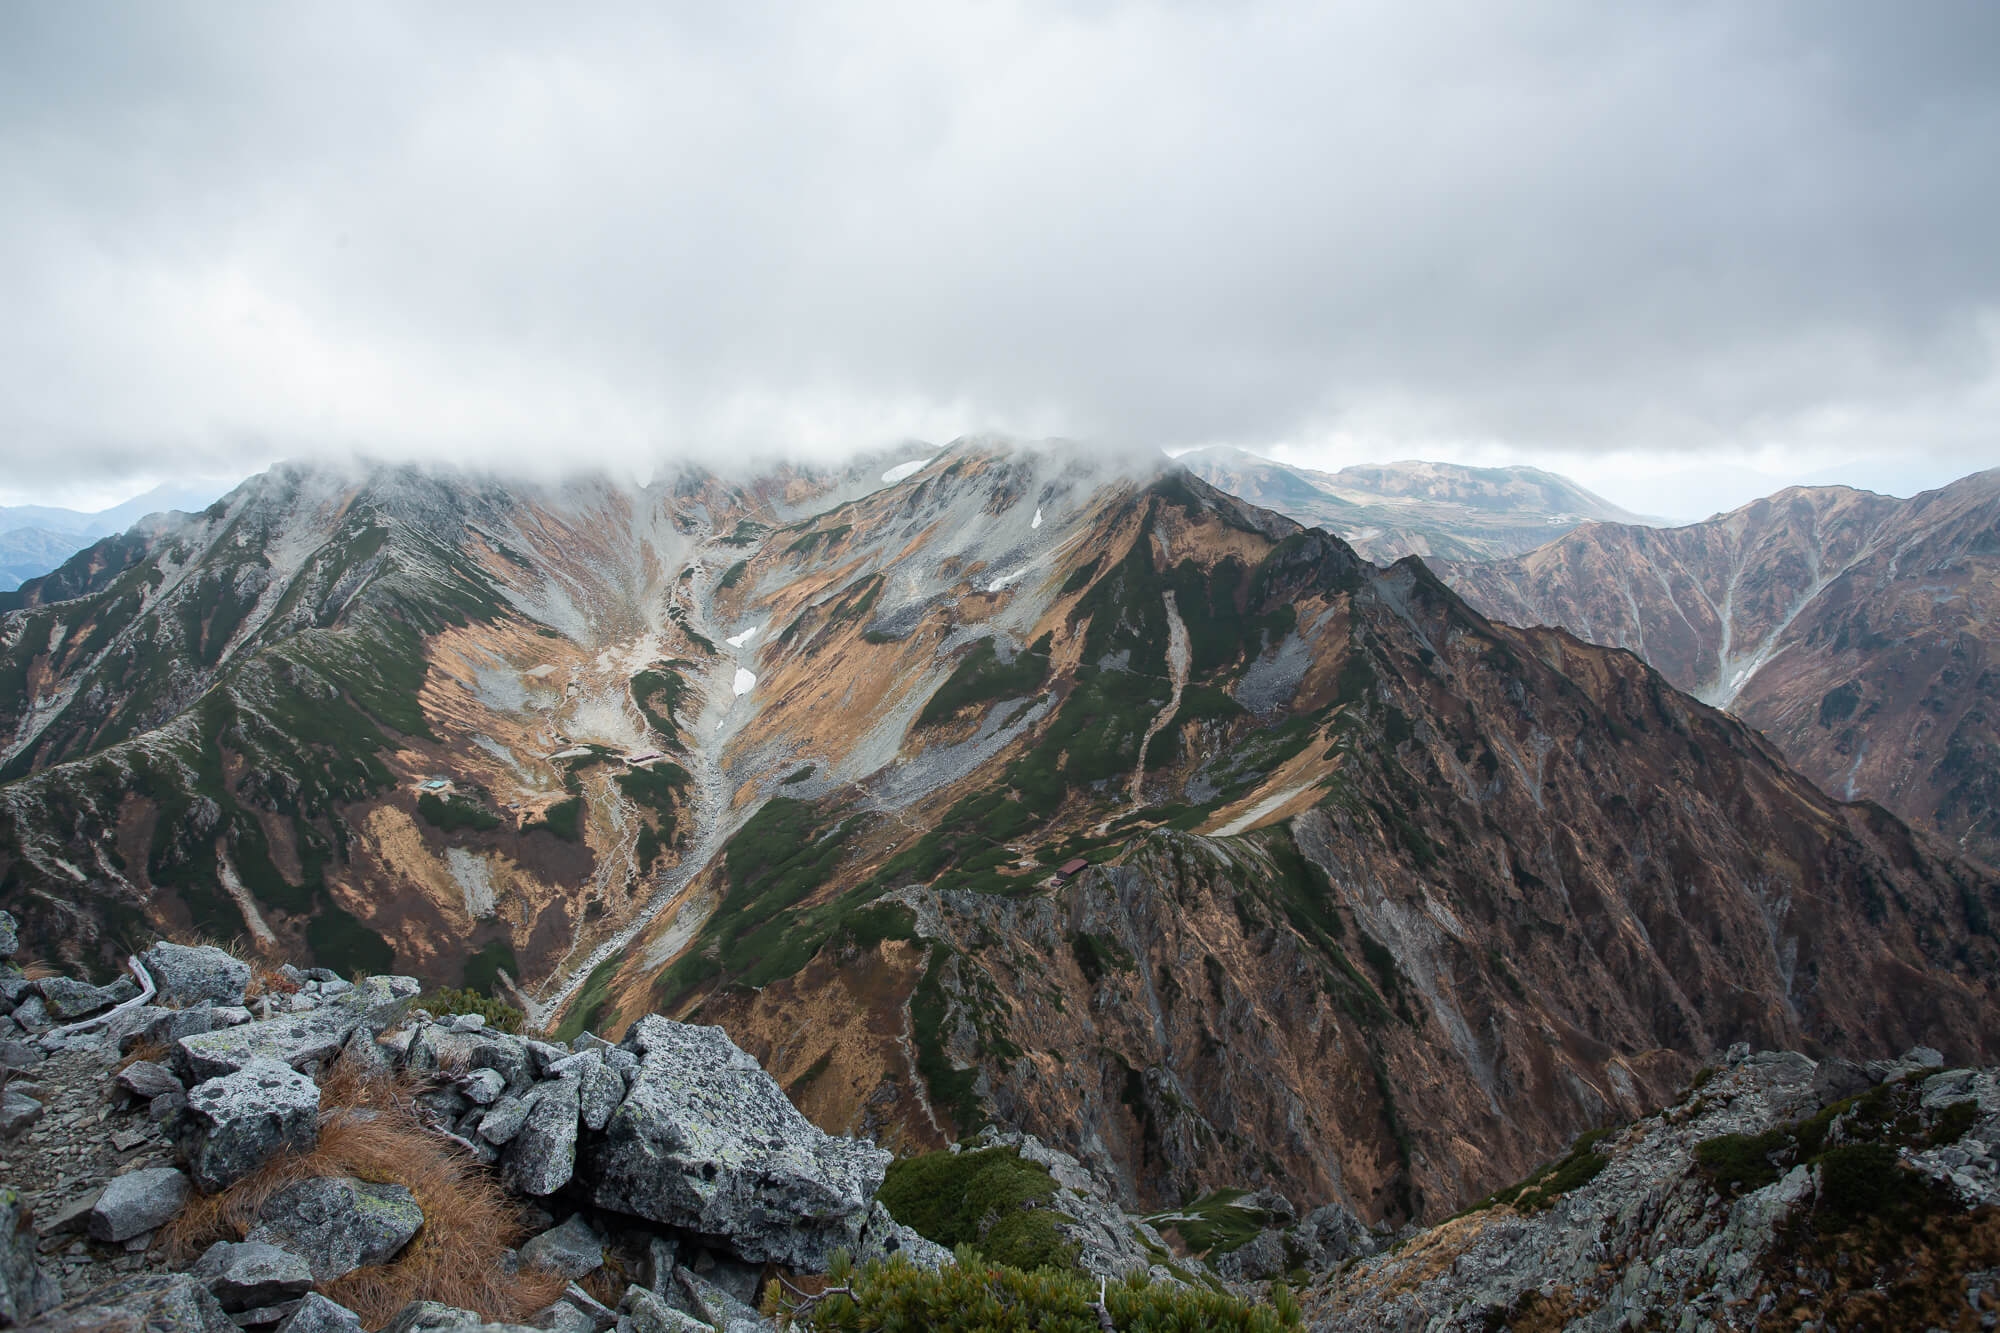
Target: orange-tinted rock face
1860	633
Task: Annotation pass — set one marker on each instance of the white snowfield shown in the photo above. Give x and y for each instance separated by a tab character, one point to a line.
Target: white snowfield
745	681
902	470
738	640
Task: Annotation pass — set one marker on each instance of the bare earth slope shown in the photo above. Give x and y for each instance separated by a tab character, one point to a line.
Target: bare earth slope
1383	900
1859	632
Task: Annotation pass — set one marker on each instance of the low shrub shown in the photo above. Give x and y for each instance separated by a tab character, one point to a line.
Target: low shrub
451	1000
976	1297
991	1200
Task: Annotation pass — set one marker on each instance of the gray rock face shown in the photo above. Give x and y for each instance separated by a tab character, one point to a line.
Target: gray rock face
189	976
25	1290
338	1224
68	999
303	1040
10	935
719	1308
1836	1079
236	1123
644	1312
572	1249
148	1303
883	1237
707	1141
317	1314
17	1111
503	1120
601	1090
138	1201
541	1156
246	1275
19	1054
146	1080
431	1317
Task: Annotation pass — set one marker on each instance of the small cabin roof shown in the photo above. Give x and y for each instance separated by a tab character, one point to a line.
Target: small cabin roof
1071	867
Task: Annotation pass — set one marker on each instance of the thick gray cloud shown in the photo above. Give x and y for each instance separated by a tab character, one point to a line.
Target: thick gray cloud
569	233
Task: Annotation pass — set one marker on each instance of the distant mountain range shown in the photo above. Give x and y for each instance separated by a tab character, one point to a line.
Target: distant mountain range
34	539
1858	631
1386	511
994	782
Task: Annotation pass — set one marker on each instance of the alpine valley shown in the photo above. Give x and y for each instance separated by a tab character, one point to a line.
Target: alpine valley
1382	902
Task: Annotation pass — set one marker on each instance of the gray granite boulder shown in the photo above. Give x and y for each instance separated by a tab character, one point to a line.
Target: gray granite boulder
317	1314
236	1123
147	1303
338	1224
572	1249
541	1156
137	1202
248	1275
25	1290
17	1111
68	999
431	1317
303	1040
601	1089
644	1312
706	1141
188	976
146	1080
503	1120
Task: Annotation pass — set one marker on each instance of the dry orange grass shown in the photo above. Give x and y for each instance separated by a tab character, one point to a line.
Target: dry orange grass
145	1050
468	1219
34	969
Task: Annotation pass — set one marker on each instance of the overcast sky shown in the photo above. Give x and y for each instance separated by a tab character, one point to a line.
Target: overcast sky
1681	252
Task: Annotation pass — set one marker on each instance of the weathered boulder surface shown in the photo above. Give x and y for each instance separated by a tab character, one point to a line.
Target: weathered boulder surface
541	1155
572	1249
137	1202
705	1140
248	1275
146	1303
25	1290
234	1124
192	975
302	1040
338	1224
68	999
317	1314
431	1317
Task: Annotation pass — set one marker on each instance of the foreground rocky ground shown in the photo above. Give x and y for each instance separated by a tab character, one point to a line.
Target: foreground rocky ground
296	1151
210	1147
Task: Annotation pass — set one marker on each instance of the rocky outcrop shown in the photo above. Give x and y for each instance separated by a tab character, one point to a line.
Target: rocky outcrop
704	1140
1749	1203
235	1123
25	1288
145	1303
193	975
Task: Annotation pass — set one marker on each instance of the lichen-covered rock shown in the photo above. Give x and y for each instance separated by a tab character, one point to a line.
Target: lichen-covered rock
191	975
317	1314
431	1317
234	1124
146	1303
572	1249
68	999
705	1140
503	1120
10	936
338	1224
137	1202
303	1041
146	1080
601	1088
541	1156
643	1311
247	1275
25	1290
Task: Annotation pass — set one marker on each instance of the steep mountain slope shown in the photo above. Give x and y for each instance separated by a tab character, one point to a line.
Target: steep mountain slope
1378	896
1859	632
1389	510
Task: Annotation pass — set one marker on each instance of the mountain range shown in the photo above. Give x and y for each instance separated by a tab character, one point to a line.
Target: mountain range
1386	511
34	539
1010	783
